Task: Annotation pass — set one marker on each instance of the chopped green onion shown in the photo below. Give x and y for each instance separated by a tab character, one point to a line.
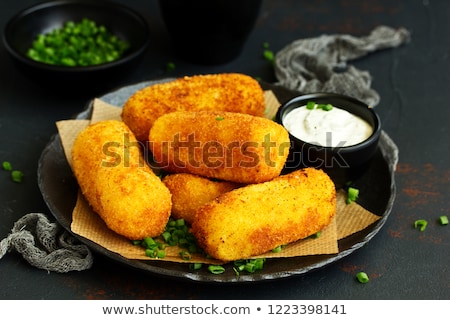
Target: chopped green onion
443	220
150	253
185	255
352	195
195	266
215	269
77	44
277	249
166	236
179	223
155	253
259	263
316	235
176	233
219	118
421	224
362	277
136	242
16	176
310	105
326	107
269	55
170	66
7	166
249	265
149	243
161	254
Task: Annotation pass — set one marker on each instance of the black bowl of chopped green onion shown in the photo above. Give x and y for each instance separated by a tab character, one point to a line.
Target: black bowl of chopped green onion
76	41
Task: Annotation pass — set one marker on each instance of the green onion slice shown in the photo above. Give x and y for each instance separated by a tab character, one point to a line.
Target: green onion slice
362	277
443	220
7	166
352	195
216	269
421	224
16	176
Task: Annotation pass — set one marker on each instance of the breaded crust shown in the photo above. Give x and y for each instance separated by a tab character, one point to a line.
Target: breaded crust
223	145
231	92
117	183
257	218
190	192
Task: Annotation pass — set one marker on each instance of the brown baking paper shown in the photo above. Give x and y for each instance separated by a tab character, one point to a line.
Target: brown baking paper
86	223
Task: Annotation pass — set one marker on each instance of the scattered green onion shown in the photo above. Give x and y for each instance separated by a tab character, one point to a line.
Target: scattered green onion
421	224
155	253
267	53
310	105
170	66
326	107
316	235
216	269
352	195
219	118
177	233
149	242
84	43
185	255
7	166
443	220
362	277
248	265
16	176
195	266
277	249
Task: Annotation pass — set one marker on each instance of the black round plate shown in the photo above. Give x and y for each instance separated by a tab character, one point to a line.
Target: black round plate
59	189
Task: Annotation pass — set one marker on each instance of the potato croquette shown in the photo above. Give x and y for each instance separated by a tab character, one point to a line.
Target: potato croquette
256	218
117	183
231	92
190	192
222	145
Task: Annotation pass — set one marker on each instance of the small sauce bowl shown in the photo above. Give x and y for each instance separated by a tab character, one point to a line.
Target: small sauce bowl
341	163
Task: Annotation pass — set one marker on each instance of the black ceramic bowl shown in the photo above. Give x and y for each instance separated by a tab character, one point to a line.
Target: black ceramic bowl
342	163
125	23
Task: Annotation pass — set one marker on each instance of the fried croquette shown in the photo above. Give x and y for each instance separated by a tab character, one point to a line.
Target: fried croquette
257	218
231	92
117	183
222	145
190	192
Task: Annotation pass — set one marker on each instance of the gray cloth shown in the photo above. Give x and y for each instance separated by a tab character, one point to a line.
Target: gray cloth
320	64
45	245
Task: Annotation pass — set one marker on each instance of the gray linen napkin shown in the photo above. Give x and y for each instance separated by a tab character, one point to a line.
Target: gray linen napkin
46	245
320	64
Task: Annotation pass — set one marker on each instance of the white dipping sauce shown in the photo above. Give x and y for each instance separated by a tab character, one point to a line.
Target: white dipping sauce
333	128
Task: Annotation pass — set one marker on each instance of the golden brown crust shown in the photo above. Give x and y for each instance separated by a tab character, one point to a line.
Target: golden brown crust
117	183
231	92
189	192
223	145
257	218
